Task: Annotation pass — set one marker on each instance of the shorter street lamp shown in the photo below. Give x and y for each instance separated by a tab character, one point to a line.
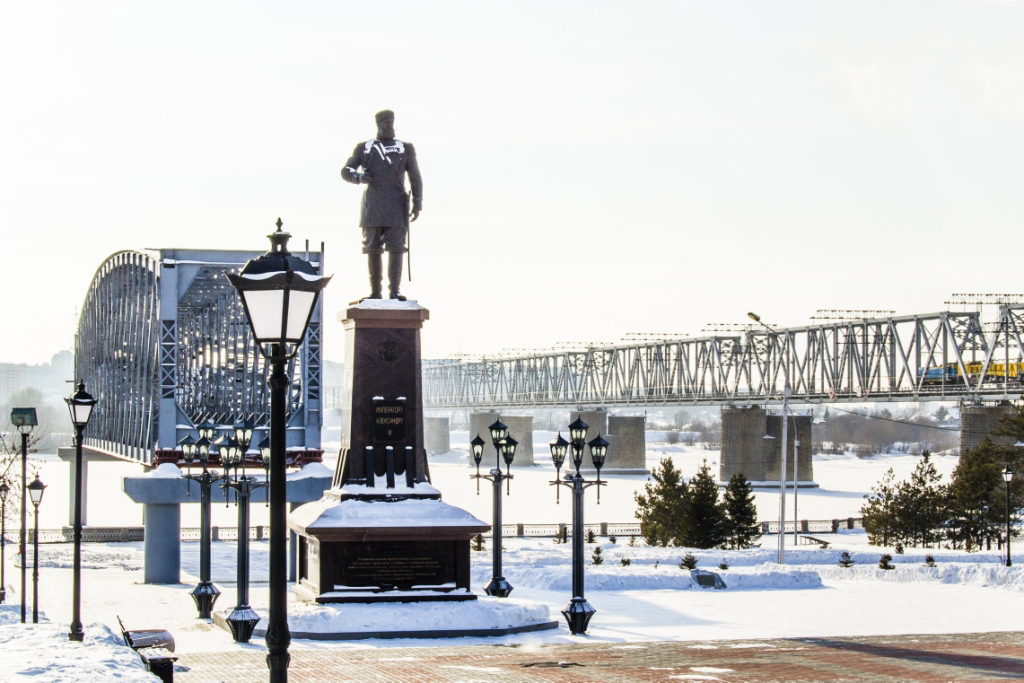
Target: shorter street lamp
477	444
504	447
1008	477
205	593
243	619
25	420
558	449
35	491
578	611
80	404
4	490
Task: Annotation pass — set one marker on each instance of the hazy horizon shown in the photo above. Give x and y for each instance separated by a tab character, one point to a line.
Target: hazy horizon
590	169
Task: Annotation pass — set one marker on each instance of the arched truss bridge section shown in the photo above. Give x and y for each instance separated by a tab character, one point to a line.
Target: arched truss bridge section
939	356
164	344
116	351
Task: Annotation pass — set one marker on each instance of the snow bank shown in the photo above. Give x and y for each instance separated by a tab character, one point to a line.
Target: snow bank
94	556
602	577
44	653
167	470
484	613
984	576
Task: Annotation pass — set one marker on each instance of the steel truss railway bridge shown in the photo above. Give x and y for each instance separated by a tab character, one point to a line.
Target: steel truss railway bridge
938	356
163	343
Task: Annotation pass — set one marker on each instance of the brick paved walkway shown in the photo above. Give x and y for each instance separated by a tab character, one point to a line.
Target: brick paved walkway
930	658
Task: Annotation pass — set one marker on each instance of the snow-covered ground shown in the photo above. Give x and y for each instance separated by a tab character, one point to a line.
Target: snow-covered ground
650	599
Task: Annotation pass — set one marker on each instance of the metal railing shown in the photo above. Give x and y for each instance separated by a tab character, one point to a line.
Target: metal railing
132	534
136	534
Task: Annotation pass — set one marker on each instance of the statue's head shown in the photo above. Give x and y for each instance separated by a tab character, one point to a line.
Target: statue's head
385	124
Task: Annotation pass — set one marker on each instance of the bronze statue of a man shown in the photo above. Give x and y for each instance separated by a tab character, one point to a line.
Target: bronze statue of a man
385	216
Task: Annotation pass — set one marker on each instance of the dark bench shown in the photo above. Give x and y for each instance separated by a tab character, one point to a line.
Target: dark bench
156	648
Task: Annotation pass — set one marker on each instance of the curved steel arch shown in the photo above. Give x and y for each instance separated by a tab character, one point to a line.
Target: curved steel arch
164	344
116	353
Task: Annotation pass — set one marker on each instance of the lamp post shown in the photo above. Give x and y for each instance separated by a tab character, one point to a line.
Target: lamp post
279	292
1008	477
785	448
24	419
4	490
578	611
243	619
504	446
477	447
205	594
35	491
80	406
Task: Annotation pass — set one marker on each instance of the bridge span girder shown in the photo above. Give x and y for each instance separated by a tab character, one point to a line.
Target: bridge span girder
938	356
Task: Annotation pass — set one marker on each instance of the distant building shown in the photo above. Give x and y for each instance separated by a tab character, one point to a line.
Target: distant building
10	381
49	378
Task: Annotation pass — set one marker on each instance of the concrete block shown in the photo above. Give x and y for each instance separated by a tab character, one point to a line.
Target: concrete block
520	427
437	437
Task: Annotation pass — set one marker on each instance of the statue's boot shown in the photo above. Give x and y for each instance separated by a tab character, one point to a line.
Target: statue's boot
395	274
376	275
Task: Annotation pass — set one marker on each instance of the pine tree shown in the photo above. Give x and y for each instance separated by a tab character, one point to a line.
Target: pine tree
976	494
661	507
845	561
596	557
920	505
591	536
478	542
741	528
704	523
688	561
625	561
885	562
879	512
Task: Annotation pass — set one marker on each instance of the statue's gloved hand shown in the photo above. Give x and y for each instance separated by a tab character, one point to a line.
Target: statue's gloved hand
416	208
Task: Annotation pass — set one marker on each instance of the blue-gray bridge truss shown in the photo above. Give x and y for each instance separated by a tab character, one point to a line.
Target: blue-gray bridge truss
939	356
163	343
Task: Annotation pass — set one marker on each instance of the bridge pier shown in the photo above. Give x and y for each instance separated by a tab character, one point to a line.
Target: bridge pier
746	451
520	427
437	435
88	455
979	421
162	492
627	441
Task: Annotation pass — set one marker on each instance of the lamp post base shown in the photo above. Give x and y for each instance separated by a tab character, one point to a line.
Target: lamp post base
242	622
3	596
578	613
205	594
498	587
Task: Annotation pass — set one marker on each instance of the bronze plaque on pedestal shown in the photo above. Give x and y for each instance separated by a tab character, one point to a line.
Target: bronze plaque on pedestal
401	565
388	421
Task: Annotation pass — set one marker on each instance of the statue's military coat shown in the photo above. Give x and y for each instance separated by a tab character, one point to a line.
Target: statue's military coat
386	162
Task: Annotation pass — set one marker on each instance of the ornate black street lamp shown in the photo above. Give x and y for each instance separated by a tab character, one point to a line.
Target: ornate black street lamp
1008	477
4	490
578	611
35	491
205	593
279	292
80	406
24	419
477	446
504	447
558	449
243	619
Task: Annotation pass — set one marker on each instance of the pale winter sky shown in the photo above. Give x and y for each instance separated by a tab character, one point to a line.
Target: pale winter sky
590	168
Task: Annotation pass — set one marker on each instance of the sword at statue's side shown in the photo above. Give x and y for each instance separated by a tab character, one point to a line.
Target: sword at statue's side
408	248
